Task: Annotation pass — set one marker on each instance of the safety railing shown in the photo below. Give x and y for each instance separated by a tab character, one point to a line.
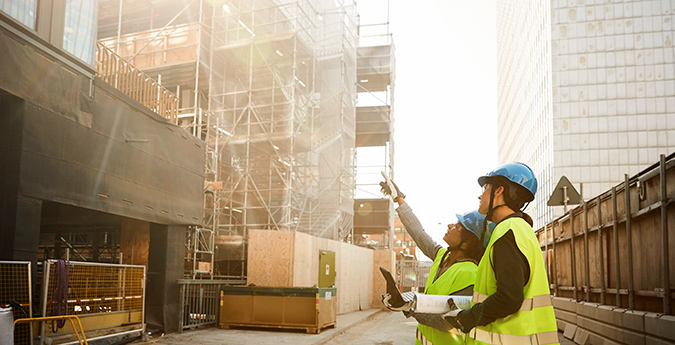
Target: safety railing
16	292
101	295
119	73
78	330
201	301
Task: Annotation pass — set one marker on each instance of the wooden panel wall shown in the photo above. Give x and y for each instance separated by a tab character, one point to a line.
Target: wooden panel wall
270	257
386	259
285	258
135	241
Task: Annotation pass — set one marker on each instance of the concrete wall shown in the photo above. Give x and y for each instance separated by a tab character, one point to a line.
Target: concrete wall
285	259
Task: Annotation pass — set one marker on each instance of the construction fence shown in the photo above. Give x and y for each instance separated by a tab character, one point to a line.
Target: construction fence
109	299
15	300
610	264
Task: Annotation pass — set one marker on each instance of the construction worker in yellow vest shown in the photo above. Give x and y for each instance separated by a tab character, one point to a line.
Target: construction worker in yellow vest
453	271
511	302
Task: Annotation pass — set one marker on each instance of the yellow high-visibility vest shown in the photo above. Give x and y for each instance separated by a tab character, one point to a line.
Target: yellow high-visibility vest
457	277
535	322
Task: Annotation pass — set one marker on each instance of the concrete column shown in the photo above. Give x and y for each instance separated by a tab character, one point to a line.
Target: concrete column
165	267
19	215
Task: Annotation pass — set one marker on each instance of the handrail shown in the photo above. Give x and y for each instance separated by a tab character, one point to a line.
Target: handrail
119	73
60	317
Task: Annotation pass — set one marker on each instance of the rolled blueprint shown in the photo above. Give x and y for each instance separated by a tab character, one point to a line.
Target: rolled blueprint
438	304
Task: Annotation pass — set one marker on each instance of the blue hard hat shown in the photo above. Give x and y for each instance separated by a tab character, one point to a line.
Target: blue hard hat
517	173
473	221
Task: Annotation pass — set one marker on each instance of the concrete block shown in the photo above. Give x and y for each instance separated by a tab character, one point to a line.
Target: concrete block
581	337
660	325
562	325
567	304
587	309
634	320
611	332
566	316
606	314
570	330
658	341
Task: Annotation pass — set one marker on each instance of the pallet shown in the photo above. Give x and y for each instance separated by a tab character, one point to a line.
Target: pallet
309	329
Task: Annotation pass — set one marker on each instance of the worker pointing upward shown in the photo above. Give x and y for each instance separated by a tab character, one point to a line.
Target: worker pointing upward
454	269
511	301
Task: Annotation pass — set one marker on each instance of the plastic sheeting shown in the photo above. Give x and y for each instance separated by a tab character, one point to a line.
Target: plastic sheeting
6	326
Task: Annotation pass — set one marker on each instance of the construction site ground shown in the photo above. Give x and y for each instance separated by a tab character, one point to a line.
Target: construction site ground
373	326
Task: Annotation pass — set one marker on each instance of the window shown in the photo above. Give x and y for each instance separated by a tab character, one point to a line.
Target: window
79	32
21	10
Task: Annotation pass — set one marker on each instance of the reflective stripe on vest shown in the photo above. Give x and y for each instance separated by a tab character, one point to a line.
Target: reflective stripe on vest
535	322
543	338
538	301
457	277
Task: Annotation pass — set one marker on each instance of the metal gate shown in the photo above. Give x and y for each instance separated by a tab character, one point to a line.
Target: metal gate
411	275
201	301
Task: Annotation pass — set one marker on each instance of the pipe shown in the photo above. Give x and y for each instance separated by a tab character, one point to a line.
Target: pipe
629	244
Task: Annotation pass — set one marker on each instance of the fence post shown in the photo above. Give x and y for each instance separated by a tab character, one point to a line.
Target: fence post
574	261
629	244
664	236
601	254
555	261
587	259
615	234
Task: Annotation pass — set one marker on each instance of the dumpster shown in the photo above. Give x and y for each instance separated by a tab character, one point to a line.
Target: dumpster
307	308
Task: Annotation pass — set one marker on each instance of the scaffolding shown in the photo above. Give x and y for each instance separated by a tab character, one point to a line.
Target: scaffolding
374	216
270	86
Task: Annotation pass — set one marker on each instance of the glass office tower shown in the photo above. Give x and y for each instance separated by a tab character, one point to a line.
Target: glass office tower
586	90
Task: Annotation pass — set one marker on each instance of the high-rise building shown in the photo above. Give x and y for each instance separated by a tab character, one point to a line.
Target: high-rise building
586	90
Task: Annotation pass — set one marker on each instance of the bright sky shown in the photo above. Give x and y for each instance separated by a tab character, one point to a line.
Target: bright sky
445	102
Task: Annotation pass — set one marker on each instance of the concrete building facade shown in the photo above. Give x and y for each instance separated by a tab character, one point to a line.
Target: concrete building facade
586	90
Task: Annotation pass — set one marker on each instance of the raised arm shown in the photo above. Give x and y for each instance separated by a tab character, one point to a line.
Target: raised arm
413	226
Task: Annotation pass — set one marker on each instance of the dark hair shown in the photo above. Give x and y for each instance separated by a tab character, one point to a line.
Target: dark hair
475	249
516	197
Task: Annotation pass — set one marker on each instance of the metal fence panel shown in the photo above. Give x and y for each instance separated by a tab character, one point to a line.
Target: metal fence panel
412	275
201	301
111	295
16	291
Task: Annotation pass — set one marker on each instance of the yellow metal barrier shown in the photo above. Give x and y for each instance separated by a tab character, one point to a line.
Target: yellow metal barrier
81	340
103	296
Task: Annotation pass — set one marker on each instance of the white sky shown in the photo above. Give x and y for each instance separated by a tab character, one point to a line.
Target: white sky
445	102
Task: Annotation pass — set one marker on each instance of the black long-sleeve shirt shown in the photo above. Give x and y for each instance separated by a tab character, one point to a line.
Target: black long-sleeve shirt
512	272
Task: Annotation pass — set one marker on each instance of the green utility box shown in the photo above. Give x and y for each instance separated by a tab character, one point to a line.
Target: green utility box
308	308
326	268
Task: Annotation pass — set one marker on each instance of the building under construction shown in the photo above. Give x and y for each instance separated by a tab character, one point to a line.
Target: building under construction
271	87
154	120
